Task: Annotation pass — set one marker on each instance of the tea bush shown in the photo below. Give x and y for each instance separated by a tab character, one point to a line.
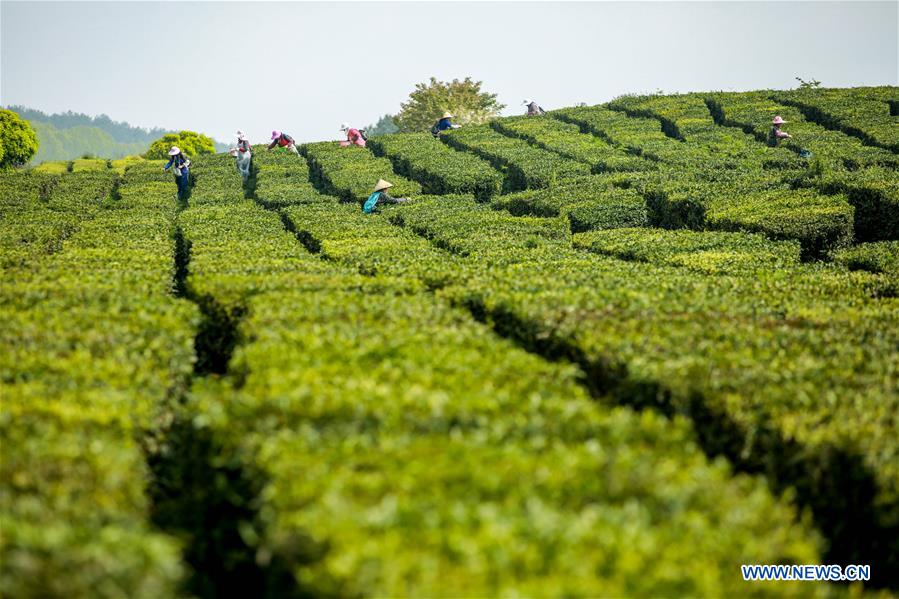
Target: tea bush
525	166
351	173
438	168
567	140
625	382
94	347
862	112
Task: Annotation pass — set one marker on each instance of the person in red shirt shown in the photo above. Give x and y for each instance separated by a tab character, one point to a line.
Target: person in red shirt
353	137
283	140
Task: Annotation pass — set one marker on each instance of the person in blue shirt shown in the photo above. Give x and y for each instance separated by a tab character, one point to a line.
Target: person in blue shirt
181	164
380	195
443	124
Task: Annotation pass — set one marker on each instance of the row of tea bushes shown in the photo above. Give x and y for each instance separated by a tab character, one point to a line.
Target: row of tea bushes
754	111
689	119
385	419
525	166
876	257
351	173
868	113
704	251
378	248
567	140
705	195
598	202
94	349
874	192
380	420
781	370
438	168
280	178
39	212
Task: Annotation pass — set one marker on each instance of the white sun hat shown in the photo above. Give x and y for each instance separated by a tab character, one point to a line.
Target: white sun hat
240	134
526	102
344	126
382	184
174	151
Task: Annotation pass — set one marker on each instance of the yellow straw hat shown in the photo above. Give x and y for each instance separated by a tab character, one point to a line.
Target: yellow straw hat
382	185
447	115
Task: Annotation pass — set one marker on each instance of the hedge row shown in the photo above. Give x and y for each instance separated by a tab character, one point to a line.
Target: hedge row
597	202
567	140
93	349
378	248
876	257
394	431
525	166
710	252
637	135
863	112
753	112
39	212
439	169
874	192
688	118
351	173
781	370
737	201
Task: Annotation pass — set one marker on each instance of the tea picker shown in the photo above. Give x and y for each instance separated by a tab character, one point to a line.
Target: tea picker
533	108
380	195
242	153
181	165
353	136
445	122
776	134
283	140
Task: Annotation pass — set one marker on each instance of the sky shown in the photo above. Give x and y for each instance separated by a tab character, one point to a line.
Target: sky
305	67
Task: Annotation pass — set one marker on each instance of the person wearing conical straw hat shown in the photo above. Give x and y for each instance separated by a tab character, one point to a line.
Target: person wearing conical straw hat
533	108
354	137
776	134
380	196
181	164
445	122
242	153
283	140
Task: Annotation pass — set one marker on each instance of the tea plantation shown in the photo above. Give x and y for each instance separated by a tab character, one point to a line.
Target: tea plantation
616	350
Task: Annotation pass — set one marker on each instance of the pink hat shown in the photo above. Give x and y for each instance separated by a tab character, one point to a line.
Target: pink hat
276	134
778	121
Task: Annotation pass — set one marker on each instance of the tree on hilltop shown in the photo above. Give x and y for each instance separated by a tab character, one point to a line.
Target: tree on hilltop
464	99
18	142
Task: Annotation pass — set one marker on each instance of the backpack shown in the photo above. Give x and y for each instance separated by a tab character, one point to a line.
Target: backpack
362	134
434	130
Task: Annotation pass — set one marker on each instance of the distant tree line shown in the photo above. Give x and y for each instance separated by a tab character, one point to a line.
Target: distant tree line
119	131
70	135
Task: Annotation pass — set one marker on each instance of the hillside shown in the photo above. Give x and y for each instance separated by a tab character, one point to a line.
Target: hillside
618	350
72	135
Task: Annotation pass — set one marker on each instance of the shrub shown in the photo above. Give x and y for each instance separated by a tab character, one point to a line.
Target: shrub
351	173
525	166
567	140
438	168
190	142
94	348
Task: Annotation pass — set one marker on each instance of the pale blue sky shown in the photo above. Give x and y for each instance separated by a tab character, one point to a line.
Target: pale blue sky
304	67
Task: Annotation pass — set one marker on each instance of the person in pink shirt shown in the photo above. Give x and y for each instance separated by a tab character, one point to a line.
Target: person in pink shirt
775	134
353	137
